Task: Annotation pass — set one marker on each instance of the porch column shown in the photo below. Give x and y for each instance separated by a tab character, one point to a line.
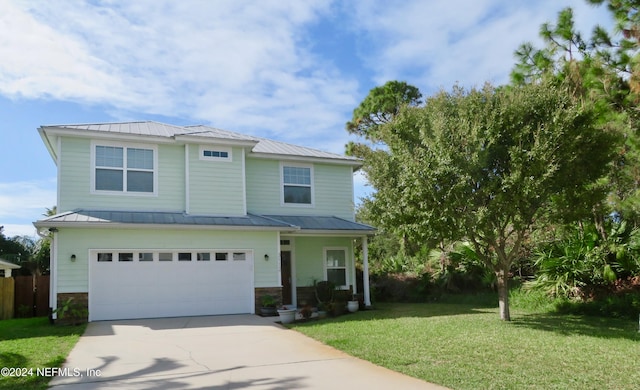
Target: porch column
365	272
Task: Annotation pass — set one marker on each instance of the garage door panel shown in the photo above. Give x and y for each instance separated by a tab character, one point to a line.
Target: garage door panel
148	289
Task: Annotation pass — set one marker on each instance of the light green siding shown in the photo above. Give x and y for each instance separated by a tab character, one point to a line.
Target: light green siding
73	276
216	187
332	187
75	181
308	253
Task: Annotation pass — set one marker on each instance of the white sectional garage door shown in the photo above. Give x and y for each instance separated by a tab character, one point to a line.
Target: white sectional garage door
128	284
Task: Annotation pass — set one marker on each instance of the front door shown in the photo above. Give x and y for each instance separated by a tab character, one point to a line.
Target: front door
285	273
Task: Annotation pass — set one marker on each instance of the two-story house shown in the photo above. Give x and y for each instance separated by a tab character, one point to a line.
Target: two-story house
157	220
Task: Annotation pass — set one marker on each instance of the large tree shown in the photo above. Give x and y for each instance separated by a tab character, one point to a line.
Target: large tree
605	69
484	165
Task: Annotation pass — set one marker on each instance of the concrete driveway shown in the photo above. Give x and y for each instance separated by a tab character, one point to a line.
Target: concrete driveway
215	352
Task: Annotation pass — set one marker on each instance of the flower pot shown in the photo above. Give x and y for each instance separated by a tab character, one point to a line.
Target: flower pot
268	311
353	306
287	316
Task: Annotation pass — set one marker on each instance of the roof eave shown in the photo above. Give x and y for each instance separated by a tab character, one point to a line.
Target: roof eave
120	225
214	141
290	157
49	144
84	133
326	232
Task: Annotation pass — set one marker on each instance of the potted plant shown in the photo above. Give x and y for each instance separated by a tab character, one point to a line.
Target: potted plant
287	315
354	304
324	291
269	304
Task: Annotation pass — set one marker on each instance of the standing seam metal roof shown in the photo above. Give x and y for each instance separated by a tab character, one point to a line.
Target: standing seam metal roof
103	217
150	128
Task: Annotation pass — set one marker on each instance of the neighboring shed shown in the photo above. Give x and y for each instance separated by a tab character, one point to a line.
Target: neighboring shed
7	267
7	287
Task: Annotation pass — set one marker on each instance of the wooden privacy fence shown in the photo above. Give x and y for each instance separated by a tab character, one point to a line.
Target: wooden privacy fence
31	296
7	289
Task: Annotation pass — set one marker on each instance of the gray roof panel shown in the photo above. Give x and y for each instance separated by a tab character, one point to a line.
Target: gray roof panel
134	128
156	129
284	222
305	222
99	217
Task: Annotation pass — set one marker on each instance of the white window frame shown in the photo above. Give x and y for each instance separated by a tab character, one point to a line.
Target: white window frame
124	147
282	184
215	148
231	254
346	264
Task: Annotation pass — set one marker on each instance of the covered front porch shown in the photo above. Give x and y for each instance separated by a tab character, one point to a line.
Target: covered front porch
323	249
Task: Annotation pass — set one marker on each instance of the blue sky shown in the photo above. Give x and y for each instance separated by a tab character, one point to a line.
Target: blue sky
287	70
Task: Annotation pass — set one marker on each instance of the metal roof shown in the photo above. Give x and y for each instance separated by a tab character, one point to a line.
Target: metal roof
7	265
305	222
134	128
102	218
207	131
268	146
259	145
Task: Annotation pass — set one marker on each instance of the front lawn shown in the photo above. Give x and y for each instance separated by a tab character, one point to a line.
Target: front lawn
465	346
32	343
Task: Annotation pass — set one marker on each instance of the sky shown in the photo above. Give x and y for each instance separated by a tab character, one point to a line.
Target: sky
284	69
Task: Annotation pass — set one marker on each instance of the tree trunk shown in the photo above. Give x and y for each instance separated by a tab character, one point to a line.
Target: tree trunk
503	294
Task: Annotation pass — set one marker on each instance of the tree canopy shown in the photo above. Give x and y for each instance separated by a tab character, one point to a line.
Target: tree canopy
484	165
604	69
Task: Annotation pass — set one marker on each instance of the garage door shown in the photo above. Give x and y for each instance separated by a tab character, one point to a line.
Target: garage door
130	284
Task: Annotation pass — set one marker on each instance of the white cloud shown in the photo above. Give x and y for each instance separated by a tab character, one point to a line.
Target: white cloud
240	65
20	201
436	44
12	230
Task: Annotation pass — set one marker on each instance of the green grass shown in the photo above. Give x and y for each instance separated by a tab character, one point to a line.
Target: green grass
34	343
466	346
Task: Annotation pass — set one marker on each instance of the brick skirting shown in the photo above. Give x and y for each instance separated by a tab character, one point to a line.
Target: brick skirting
275	292
79	303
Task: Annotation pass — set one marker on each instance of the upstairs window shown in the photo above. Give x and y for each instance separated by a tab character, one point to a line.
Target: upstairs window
124	169
296	185
215	153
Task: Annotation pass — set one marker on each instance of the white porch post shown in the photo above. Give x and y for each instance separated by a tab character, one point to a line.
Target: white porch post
365	272
53	271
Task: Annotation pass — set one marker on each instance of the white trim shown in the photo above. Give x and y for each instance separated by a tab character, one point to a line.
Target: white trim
215	148
114	225
125	169
306	159
312	185
59	172
353	270
331	233
53	285
114	137
213	140
365	271
187	180
347	275
244	185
